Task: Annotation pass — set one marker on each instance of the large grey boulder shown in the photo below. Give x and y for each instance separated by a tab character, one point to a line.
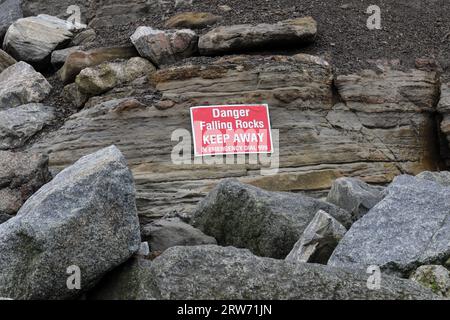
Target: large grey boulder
165	46
21	175
354	195
408	228
33	39
10	11
131	281
442	177
21	84
435	277
212	272
171	232
318	240
238	38
267	223
4	217
19	124
85	217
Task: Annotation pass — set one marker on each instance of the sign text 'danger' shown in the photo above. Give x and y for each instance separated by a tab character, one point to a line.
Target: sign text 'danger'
231	129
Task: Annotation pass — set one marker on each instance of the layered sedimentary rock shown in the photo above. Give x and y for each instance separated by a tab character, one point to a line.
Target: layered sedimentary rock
238	38
381	128
444	110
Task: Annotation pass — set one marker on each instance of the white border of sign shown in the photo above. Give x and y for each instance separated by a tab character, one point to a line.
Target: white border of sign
230	106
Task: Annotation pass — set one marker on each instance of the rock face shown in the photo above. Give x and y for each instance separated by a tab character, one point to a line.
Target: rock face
5	60
85	217
408	228
444	109
19	124
96	80
21	84
318	240
165	46
443	177
4	217
33	39
21	174
267	223
435	277
166	233
131	281
319	141
243	37
58	57
10	11
212	272
79	60
354	195
192	20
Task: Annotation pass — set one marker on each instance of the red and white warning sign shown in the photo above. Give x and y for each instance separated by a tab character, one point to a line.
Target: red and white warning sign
231	129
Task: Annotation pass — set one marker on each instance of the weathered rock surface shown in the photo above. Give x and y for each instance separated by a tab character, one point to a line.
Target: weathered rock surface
97	80
318	240
5	60
165	233
267	223
243	37
318	140
85	217
58	57
192	20
407	229
33	39
77	61
21	84
212	272
131	281
83	38
19	124
442	177
4	217
21	175
444	110
10	11
354	195
435	277
165	46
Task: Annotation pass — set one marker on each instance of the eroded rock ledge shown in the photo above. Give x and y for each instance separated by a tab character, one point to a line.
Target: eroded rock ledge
372	125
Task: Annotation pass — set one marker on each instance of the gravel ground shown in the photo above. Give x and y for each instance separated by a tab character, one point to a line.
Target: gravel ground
410	28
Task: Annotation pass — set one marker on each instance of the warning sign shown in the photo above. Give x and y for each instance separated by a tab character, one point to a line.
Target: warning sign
231	129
